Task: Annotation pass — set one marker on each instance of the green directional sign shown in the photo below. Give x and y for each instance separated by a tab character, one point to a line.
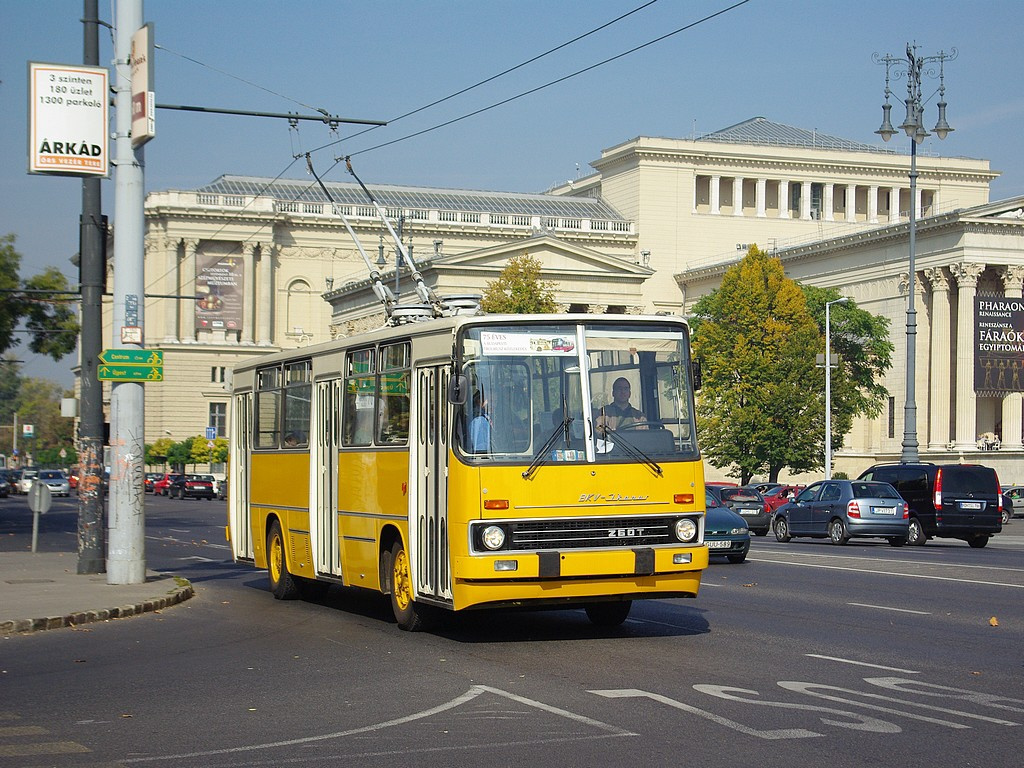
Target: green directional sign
131	373
132	357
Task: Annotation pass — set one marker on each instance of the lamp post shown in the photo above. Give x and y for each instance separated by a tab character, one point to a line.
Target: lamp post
828	384
913	67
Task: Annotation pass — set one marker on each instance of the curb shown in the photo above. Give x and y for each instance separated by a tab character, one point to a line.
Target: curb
22	626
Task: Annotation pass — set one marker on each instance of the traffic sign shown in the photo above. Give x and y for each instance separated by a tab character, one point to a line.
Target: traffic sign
131	373
40	498
132	357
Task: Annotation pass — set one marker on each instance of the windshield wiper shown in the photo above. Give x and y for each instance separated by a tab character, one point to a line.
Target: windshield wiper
633	452
542	453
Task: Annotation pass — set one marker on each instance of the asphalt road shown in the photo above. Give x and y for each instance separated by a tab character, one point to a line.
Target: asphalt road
807	654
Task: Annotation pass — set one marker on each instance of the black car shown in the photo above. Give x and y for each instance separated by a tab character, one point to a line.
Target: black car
725	532
956	501
5	484
745	502
191	487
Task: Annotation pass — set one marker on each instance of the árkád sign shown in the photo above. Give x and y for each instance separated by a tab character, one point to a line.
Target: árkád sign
68	120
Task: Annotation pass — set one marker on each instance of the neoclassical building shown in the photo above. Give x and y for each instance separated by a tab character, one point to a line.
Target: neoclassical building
650	230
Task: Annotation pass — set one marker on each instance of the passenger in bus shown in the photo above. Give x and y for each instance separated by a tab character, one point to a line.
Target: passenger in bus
619	413
480	426
291	440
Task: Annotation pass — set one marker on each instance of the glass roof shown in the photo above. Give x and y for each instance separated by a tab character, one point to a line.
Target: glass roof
349	193
759	130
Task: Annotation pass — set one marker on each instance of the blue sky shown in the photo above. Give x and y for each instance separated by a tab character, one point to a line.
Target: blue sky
805	63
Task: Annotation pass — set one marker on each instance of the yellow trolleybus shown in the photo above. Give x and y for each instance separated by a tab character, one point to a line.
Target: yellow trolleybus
469	461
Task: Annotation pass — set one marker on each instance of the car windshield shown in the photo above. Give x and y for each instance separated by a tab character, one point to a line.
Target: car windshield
874	491
740	494
51	475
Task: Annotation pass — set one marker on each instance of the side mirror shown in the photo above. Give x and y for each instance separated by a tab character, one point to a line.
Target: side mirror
458	386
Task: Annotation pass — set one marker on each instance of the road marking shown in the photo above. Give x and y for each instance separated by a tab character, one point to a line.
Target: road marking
43	748
22	730
861	664
468	696
888	608
893	573
936	563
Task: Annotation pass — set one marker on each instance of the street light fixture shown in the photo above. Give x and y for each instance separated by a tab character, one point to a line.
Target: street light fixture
912	68
828	384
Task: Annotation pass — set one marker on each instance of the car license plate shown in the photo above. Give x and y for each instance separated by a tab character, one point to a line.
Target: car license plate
749	511
719	544
883	510
972	505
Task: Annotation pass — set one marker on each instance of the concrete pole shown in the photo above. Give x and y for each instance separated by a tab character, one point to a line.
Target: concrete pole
126	555
92	273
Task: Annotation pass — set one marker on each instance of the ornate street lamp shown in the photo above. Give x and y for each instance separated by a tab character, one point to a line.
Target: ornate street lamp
913	67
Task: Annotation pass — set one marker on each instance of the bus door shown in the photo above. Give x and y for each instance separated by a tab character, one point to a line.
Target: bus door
238	476
324	476
428	530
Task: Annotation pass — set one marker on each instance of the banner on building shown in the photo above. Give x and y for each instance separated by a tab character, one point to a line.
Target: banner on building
999	345
219	291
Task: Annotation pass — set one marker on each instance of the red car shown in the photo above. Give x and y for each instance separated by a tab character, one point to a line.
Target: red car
161	486
779	495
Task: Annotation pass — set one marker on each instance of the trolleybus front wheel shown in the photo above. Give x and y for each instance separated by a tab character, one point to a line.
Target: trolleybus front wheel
282	583
610	614
408	615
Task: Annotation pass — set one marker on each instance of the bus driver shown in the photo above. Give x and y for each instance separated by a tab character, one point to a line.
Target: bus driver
619	413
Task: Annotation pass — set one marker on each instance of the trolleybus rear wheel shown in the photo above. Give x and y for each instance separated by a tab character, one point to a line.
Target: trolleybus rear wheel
282	584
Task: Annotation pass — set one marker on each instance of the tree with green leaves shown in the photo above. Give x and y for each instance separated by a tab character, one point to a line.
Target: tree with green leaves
762	406
760	409
519	290
42	302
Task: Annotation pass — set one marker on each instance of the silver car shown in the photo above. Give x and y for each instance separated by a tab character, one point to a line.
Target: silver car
56	480
842	509
28	476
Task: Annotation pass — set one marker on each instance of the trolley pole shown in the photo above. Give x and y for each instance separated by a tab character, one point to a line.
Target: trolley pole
126	555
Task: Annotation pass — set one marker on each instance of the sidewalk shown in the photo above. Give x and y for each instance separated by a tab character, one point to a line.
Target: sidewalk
44	591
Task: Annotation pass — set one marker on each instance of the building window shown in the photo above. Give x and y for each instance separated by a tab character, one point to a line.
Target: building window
219	417
217	374
892	417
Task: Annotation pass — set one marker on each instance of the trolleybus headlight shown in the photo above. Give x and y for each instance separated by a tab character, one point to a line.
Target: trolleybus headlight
493	537
686	529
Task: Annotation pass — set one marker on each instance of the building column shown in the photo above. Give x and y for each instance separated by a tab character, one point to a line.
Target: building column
1013	410
264	306
966	275
851	202
783	198
170	282
873	204
917	203
188	290
894	204
761	195
829	203
805	200
737	196
696	178
939	359
715	194
248	292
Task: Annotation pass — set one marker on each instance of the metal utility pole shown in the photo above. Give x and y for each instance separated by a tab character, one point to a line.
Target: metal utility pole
92	269
126	555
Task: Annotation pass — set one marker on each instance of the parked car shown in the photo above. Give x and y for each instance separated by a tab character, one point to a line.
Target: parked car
725	532
149	480
222	488
26	478
191	487
5	483
1015	493
780	494
56	480
844	509
746	502
957	501
1007	509
160	486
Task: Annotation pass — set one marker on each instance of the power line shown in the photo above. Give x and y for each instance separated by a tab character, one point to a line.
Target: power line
548	84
